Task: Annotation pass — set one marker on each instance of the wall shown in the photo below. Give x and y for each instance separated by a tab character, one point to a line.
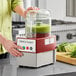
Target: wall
57	8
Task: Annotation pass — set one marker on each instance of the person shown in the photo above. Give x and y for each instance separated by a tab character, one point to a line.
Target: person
6	8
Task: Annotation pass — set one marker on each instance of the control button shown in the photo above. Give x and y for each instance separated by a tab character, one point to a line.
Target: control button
27	48
31	48
69	36
24	47
57	37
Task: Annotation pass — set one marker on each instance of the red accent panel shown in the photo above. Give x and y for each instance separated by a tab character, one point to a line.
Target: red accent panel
40	44
41	47
42	35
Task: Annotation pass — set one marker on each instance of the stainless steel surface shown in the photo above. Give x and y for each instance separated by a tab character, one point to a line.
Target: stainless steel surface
71	8
16	26
63	69
64	32
36	3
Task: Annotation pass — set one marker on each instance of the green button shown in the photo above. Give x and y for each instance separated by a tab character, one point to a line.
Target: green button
24	47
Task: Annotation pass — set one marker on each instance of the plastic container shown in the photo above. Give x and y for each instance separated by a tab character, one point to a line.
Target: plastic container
38	24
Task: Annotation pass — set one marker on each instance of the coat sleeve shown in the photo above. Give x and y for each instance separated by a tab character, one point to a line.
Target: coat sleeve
15	3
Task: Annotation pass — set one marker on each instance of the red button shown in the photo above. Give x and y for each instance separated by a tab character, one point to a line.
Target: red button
27	48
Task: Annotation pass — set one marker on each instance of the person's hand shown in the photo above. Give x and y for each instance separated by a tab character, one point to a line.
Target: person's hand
28	9
11	47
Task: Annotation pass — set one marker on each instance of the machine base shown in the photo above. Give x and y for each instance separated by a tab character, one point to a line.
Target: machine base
36	60
35	67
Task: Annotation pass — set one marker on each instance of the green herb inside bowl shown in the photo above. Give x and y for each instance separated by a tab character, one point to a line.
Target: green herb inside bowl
41	28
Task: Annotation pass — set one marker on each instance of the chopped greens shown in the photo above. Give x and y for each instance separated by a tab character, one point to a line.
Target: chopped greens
67	47
61	47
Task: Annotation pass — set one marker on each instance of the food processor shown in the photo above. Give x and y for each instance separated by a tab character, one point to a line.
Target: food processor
38	43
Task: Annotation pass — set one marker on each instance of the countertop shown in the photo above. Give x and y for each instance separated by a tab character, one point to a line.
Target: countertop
57	69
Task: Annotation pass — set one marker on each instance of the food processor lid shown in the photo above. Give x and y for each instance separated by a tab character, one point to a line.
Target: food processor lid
42	13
